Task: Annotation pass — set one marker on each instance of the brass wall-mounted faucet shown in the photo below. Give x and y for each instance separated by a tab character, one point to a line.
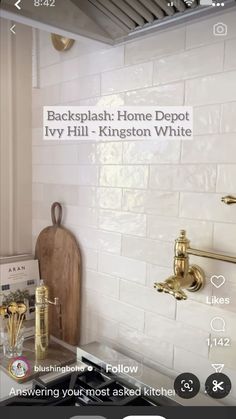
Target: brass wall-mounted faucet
189	277
186	277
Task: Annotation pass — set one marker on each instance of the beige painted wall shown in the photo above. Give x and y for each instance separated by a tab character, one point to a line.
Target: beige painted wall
15	139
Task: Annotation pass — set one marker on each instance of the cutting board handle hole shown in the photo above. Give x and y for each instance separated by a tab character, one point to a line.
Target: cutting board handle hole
56	213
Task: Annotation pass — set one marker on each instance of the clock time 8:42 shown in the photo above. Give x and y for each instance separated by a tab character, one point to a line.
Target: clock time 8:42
46	3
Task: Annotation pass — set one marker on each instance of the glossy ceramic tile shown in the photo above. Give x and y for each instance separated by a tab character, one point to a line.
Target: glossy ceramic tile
150	202
145	49
122	267
228	117
203	206
226	180
230	59
147	299
127	78
186	177
188	64
124	176
123	222
156	350
95	239
210	149
106	284
166	95
81	88
206	119
151	152
211	89
115	310
168	228
179	334
152	251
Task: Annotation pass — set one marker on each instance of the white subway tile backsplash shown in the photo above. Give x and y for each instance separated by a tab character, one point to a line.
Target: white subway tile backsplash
87	153
226	179
188	64
230	58
87	196
96	239
156	350
224	237
206	119
61	154
168	42
48	55
123	267
177	333
165	95
56	174
151	251
127	78
216	88
102	283
219	148
88	175
150	202
109	153
147	299
65	194
101	327
203	206
125	201
124	176
90	258
148	152
123	222
51	75
168	228
93	63
228	117
109	198
81	88
183	178
114	309
80	216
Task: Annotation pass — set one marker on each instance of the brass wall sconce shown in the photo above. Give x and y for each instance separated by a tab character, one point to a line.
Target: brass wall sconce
61	43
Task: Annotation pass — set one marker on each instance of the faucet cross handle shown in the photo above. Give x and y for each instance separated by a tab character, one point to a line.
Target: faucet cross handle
171	286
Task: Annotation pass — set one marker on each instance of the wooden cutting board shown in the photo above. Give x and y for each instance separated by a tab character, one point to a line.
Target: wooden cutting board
60	266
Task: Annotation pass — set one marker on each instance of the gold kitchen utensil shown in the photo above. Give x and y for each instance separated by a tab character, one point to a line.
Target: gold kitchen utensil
21	311
12	309
3	311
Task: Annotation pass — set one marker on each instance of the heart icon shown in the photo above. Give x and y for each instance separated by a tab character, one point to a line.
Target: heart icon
218	281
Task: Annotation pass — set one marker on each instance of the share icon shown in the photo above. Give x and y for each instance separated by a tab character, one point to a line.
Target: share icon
218	367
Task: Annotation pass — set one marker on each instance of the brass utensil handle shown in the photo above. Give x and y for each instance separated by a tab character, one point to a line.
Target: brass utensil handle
228	199
56	219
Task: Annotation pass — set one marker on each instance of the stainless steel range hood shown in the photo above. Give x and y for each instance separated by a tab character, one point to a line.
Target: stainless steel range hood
109	21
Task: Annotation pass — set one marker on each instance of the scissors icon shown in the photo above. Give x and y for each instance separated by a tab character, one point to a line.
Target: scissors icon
217	386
